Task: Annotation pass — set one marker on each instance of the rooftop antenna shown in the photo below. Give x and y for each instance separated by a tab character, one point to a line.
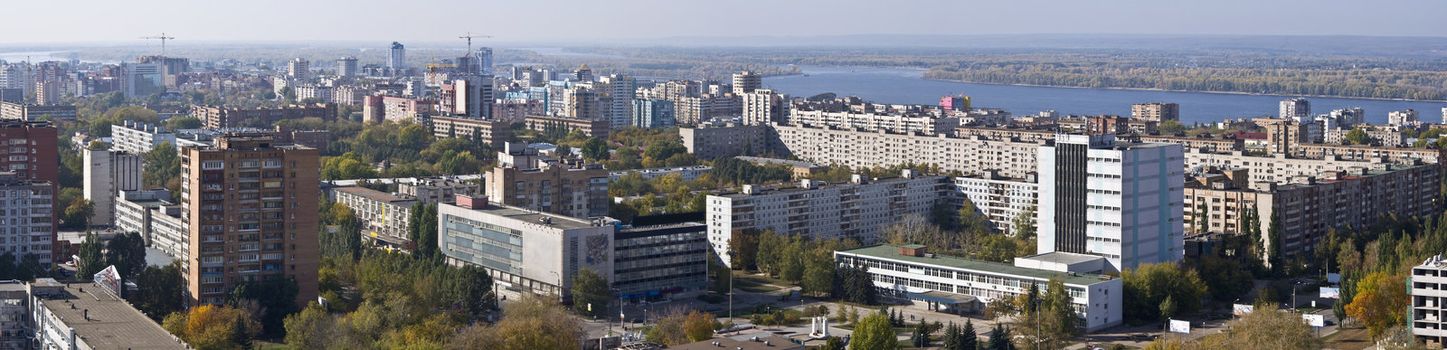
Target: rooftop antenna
469	37
163	39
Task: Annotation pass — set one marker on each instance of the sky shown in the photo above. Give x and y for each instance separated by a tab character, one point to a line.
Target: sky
518	21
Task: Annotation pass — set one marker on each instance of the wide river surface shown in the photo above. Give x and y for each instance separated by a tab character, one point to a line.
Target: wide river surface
905	85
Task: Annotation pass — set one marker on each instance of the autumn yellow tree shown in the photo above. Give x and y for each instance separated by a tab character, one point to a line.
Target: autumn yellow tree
531	323
213	327
698	326
1380	302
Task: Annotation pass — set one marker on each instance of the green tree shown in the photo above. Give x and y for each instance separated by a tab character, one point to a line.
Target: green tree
1147	286
698	326
422	230
999	338
770	254
874	332
818	276
77	214
92	256
161	164
1357	137
969	340
310	329
921	336
1023	225
744	246
127	252
595	149
834	343
341	232
162	291
591	294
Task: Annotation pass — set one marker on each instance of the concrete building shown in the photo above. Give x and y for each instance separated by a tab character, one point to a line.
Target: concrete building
106	174
1295	108
320	93
1282	169
688	173
1429	301
799	169
433	190
1120	201
31	216
29	112
583	103
746	82
493	133
589	127
892	121
763	106
397	59
661	255
650	114
471	96
298	69
139	211
999	199
1156	111
397	109
526	179
386	216
961	286
139	138
347	67
35	162
711	141
1406	117
860	209
692	110
216	117
1381	136
620	107
69	317
522	249
141	80
15	332
250	208
856	149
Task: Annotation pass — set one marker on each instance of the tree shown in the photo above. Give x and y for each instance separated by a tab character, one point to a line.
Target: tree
969	340
270	300
875	333
595	149
162	291
1380	302
591	294
77	214
213	327
127	252
853	284
1058	320
921	336
769	256
310	328
834	343
161	165
670	330
744	246
1147	286
422	230
818	276
1227	279
530	323
341	232
698	326
92	256
29	268
1023	226
1357	137
999	338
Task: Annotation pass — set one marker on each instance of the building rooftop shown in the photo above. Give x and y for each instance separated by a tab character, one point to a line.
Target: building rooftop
375	194
765	342
762	160
1064	258
531	216
111	322
885	251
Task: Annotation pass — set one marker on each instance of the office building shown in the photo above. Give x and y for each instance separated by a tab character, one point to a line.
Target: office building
1155	111
1120	201
1295	109
484	61
523	178
141	80
653	114
250	207
444	189
68	316
106	174
860	209
385	216
746	82
1000	200
712	140
347	67
397	60
34	158
217	117
661	255
1406	117
522	249
30	112
763	106
31	216
960	286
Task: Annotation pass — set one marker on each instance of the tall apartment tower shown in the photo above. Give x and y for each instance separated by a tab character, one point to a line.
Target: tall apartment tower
298	68
484	61
347	66
746	81
398	58
621	90
1155	111
1296	109
582	103
106	174
33	156
1120	201
527	180
474	96
250	210
763	106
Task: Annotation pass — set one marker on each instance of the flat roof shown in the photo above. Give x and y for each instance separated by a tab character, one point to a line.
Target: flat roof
113	323
532	216
775	343
885	251
1063	257
374	194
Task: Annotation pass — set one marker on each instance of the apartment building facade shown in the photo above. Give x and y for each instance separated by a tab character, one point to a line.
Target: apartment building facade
526	179
386	216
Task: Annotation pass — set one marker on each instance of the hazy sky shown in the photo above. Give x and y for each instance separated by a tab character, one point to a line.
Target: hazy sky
580	20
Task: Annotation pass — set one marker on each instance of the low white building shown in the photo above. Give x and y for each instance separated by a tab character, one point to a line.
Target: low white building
387	216
958	285
524	250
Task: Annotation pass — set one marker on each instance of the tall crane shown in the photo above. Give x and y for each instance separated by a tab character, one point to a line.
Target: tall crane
163	39
469	37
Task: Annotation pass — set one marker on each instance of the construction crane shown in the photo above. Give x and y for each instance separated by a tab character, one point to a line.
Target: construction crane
163	39
469	37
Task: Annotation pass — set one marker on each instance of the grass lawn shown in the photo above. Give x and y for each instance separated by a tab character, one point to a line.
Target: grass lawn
754	284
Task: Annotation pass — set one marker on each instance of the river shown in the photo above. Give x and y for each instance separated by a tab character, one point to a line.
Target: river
905	85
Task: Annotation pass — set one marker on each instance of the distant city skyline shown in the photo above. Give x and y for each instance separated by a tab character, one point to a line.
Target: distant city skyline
579	21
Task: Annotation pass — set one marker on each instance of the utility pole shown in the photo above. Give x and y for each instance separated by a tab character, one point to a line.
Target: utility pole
163	38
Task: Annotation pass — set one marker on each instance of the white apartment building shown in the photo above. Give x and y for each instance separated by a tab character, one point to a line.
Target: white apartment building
1120	201
1295	108
959	285
152	214
1000	200
860	209
873	120
106	174
321	93
444	189
1429	300
386	215
972	156
139	138
620	102
1279	168
1406	117
763	106
524	250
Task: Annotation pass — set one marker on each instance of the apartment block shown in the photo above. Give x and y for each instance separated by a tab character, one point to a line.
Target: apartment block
250	207
106	173
386	216
860	209
854	148
525	251
711	141
139	138
493	133
590	128
152	214
900	121
1429	301
442	189
217	117
1000	200
1155	111
526	179
763	106
31	215
1120	201
33	156
29	112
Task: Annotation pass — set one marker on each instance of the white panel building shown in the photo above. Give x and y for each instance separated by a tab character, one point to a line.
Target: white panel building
524	250
1120	201
107	173
1000	200
1429	293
